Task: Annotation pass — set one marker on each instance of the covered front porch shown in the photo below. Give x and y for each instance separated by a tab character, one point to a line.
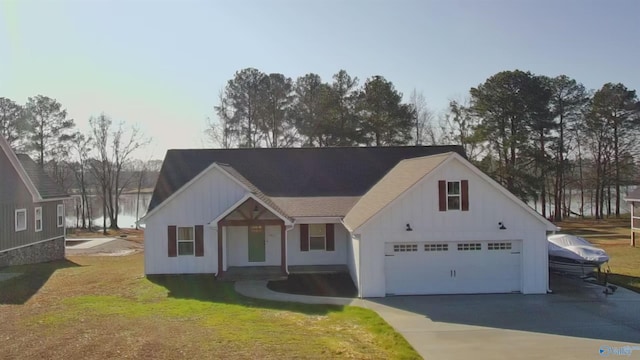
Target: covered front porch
251	241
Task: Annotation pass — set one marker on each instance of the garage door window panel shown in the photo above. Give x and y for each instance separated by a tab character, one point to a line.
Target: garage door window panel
436	247
405	248
499	246
469	247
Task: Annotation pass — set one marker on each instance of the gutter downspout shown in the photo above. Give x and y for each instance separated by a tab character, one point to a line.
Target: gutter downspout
358	272
286	243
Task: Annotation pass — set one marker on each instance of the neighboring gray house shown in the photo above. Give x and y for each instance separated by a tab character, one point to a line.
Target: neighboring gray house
32	221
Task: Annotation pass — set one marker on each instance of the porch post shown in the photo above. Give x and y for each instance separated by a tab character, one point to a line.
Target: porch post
220	248
283	249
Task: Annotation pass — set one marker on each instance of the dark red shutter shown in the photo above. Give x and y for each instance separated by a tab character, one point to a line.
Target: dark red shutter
331	238
304	237
464	191
442	195
172	243
199	240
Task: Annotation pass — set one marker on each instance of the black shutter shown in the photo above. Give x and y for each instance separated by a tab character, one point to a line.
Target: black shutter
171	241
442	195
199	235
304	237
464	191
331	241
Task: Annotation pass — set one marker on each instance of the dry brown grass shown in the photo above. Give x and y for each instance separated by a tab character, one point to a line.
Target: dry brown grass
103	307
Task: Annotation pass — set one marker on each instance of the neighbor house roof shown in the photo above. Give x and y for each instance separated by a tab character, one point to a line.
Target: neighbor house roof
634	195
402	177
47	188
292	172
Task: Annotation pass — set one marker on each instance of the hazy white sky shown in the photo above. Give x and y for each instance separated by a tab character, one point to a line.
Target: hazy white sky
161	64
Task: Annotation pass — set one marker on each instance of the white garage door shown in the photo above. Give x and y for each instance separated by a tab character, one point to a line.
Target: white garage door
468	267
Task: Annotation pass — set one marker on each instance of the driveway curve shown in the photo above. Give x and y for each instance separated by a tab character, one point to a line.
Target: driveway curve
578	321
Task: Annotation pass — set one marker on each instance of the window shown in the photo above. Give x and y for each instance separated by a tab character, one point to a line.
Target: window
60	215
186	241
317	236
453	195
38	219
405	247
469	247
436	247
21	219
499	246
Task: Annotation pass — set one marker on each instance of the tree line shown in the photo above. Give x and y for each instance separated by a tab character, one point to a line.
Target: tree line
97	163
256	109
543	138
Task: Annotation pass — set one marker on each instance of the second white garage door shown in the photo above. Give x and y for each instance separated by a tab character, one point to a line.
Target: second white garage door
469	267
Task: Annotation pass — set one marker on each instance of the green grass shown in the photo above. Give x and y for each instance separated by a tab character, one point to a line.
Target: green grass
102	307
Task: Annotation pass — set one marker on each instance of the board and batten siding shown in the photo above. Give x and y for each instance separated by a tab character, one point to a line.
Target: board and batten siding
199	204
317	257
419	208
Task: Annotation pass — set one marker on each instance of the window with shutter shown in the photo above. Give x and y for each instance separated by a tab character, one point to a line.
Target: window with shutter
453	195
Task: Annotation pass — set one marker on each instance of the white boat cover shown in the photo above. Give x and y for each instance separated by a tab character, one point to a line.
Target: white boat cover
575	248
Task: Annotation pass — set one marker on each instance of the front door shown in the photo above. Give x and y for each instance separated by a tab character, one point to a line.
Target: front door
256	243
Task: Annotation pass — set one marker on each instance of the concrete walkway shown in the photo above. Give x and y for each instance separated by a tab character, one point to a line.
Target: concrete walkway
257	289
87	243
577	322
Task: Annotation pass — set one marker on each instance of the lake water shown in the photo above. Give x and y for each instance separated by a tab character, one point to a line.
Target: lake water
588	208
126	216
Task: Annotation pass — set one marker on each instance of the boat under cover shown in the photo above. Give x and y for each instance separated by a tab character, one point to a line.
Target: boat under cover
574	255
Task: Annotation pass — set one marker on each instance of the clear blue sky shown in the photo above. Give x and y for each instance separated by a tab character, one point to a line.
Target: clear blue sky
161	64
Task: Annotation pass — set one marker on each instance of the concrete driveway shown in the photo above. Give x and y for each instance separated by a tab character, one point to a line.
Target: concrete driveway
573	323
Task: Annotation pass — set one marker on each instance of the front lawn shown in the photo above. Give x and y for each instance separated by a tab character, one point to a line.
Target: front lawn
103	307
613	236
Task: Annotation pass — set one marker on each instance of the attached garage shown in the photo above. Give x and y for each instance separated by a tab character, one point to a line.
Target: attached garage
438	225
420	268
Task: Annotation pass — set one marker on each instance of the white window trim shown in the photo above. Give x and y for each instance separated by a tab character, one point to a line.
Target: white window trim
16	220
178	241
37	217
459	194
310	236
60	214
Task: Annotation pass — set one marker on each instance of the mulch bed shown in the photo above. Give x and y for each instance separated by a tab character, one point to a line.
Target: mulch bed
339	285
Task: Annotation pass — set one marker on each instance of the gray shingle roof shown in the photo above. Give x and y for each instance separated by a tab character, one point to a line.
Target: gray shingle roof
47	188
254	190
292	172
329	206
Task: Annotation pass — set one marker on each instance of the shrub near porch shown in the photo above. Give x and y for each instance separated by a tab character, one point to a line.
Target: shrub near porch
103	307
